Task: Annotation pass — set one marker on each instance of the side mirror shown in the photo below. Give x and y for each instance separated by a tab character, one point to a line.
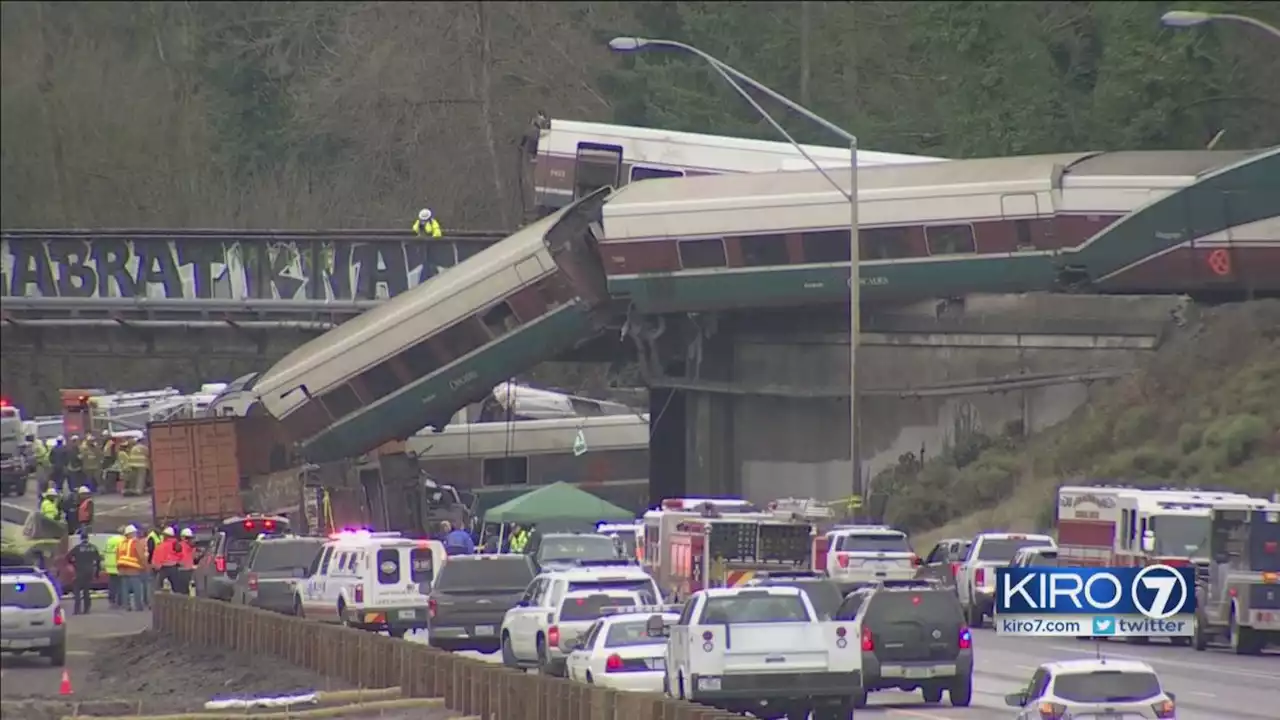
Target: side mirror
1017	699
656	627
1148	541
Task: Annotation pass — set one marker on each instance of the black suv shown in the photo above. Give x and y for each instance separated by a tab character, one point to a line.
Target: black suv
913	637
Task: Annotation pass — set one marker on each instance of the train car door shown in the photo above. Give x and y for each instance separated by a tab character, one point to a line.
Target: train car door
595	167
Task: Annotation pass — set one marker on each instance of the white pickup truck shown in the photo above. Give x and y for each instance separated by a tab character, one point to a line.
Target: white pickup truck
763	650
976	577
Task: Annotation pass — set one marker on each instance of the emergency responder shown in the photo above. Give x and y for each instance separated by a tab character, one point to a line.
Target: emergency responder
84	511
87	562
137	464
131	566
519	539
75	464
58	457
70	505
427	225
42	463
186	562
109	566
91	461
164	559
151	578
50	507
456	540
117	469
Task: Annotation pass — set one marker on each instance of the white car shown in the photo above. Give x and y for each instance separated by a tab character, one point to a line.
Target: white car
976	578
1093	690
564	624
619	652
870	553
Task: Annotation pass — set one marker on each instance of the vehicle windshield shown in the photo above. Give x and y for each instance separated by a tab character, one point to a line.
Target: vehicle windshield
938	606
509	573
751	608
25	595
624	543
1107	686
1182	536
285	555
1003	549
634	632
644	586
575	609
577	547
825	595
1036	559
873	542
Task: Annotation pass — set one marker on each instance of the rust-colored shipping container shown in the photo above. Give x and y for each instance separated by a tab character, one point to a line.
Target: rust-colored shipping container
200	466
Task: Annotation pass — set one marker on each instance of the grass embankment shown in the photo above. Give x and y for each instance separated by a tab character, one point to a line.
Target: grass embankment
1203	411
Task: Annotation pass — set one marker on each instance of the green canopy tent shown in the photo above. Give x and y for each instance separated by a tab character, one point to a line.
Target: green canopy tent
557	505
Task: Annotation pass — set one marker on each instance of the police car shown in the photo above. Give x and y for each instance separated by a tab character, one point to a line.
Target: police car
527	638
870	553
31	615
371	580
619	651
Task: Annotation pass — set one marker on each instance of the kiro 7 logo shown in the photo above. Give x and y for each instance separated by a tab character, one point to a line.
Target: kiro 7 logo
1157	592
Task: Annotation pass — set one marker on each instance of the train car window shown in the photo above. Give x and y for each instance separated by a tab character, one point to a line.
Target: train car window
1023	230
950	239
828	246
640	172
702	253
341	401
500	319
460	339
380	380
506	471
884	243
596	166
420	360
761	250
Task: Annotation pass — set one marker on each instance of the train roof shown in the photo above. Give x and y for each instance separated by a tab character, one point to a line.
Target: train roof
1181	163
392	314
680	147
525	437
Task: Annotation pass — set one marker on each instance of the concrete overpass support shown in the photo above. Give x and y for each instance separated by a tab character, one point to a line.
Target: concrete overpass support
766	394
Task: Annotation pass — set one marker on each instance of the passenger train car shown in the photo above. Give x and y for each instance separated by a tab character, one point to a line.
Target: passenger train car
608	454
416	359
577	158
944	228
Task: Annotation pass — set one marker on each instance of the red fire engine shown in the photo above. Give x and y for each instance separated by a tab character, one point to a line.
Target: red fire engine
728	551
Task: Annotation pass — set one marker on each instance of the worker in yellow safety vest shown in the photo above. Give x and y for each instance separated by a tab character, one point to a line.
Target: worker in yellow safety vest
50	507
137	464
109	567
427	225
91	461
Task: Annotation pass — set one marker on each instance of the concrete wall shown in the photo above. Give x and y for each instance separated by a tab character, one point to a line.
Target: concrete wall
777	421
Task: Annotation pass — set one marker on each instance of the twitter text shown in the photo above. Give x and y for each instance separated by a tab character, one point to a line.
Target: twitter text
1092	626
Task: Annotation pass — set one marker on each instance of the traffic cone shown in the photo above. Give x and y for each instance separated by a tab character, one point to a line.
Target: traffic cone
64	687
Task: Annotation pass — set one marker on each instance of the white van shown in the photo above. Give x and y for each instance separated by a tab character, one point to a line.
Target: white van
371	580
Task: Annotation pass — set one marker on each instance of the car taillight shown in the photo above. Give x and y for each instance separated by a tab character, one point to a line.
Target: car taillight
358	592
915	561
980	576
270	525
842	560
58	616
868	640
220	564
1052	711
253	581
955	568
553	636
613	664
431	607
966	638
1164	710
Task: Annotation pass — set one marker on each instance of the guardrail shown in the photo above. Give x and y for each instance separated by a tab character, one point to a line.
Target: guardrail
236	234
467	686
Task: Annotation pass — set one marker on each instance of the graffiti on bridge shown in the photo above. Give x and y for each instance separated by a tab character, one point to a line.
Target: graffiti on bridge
213	268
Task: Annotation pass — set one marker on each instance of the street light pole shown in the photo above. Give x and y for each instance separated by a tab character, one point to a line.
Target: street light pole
1192	18
733	76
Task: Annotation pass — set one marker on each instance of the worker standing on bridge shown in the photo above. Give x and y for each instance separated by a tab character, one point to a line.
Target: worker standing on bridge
427	225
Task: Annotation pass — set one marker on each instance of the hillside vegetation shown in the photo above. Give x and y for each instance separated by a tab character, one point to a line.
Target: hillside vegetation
1203	412
354	114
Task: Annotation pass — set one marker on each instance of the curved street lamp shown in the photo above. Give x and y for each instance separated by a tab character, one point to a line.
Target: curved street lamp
733	76
1192	18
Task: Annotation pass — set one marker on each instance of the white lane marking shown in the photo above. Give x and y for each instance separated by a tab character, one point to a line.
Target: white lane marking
1198	667
1201	694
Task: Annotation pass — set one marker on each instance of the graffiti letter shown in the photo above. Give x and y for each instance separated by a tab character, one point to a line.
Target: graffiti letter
279	284
30	267
200	254
339	278
415	262
156	265
112	258
75	277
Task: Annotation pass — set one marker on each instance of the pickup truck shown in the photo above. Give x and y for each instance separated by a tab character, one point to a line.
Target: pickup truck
976	577
470	598
764	650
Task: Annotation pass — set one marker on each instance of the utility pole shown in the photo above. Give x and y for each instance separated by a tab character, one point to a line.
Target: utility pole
806	23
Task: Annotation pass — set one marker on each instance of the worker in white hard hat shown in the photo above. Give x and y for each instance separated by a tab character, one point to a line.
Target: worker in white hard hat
164	559
186	562
131	565
84	511
50	508
427	226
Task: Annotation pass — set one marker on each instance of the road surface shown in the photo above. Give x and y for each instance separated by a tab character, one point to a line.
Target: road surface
30	675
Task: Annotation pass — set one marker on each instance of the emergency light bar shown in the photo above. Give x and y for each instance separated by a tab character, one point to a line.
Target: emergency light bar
641	609
586	563
362	535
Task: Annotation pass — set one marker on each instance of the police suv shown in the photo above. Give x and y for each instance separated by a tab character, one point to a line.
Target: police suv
763	650
870	553
31	614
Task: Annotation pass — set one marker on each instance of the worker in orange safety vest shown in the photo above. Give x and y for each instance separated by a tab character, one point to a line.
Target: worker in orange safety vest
165	558
186	548
131	567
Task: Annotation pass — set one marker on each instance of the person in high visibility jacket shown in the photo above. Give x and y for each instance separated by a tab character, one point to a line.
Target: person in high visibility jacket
137	464
165	557
131	565
117	469
519	540
109	567
427	225
91	461
42	461
186	562
152	579
51	505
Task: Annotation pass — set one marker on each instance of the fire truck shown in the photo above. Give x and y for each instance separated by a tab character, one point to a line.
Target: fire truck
654	549
1238	586
713	551
1118	526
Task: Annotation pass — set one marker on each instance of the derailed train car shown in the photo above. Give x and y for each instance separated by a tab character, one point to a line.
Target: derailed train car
413	361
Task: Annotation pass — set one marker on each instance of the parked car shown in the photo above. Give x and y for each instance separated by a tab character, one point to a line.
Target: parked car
274	564
471	596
